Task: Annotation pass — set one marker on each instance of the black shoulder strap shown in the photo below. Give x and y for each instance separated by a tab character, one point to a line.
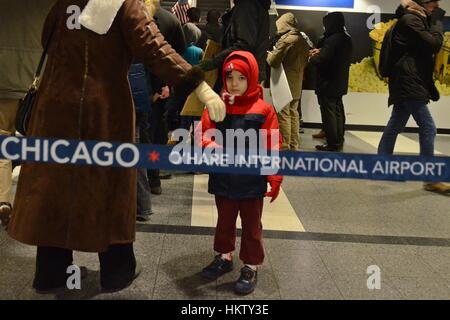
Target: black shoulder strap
44	54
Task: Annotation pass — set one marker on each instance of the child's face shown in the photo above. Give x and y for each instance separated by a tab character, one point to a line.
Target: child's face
236	83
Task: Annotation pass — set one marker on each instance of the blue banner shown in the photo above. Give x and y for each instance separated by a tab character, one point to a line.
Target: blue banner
184	157
317	3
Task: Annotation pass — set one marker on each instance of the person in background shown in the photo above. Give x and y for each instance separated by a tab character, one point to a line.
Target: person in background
417	37
194	15
175	104
241	194
332	59
193	55
212	27
142	103
172	31
291	50
246	27
191	29
20	56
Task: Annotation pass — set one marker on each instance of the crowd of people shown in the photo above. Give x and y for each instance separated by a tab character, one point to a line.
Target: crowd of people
84	94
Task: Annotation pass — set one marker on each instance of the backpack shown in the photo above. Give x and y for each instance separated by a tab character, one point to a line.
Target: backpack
386	62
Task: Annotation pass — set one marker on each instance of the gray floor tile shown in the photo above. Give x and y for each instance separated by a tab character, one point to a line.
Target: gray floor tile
186	284
11	292
281	244
12	274
423	288
187	251
409	265
302	261
3	236
346	261
438	259
179	221
298	285
354	287
366	248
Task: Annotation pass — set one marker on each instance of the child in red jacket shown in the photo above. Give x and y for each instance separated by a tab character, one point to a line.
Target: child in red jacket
241	194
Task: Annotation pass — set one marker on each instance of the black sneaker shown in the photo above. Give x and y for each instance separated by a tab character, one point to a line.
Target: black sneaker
247	281
217	268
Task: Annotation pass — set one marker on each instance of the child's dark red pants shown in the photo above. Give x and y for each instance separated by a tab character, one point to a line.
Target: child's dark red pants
252	250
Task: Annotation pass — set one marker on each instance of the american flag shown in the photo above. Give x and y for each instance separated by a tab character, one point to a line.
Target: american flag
180	10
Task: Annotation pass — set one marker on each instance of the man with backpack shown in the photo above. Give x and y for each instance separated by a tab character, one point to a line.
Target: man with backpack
409	64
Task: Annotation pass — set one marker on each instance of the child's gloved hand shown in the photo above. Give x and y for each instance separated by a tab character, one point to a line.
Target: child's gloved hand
275	186
215	105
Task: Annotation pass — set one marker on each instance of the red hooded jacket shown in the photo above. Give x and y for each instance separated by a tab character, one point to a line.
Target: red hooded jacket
245	112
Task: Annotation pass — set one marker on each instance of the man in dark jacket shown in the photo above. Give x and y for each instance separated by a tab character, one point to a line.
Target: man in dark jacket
172	31
212	27
332	59
416	38
247	30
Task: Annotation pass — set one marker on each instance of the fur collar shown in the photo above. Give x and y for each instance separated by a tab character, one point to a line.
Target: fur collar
413	7
99	15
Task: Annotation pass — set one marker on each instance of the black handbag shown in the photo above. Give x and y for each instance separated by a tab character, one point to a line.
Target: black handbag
26	104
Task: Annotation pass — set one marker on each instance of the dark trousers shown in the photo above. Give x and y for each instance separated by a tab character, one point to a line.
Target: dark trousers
188	121
144	203
117	266
333	119
250	210
157	135
173	108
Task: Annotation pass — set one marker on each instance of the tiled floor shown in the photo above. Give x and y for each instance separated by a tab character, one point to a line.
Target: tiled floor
320	239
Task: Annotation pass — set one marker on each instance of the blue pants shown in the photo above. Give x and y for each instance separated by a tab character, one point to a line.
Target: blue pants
399	117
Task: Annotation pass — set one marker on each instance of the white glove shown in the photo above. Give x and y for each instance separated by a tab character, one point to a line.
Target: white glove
215	105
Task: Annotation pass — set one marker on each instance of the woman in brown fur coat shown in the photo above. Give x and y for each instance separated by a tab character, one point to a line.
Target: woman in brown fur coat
85	95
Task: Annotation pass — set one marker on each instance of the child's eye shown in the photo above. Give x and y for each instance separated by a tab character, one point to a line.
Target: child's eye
242	78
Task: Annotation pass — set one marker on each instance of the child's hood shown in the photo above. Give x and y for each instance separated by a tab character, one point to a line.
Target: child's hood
244	62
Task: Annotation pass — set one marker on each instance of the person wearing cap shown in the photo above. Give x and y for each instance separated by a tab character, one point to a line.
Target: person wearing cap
416	38
241	194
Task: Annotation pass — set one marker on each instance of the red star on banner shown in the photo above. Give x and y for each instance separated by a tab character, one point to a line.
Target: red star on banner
153	156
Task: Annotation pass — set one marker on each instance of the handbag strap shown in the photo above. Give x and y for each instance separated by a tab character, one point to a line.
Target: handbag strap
44	54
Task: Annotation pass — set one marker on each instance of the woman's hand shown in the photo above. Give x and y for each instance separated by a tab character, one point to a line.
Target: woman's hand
214	104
